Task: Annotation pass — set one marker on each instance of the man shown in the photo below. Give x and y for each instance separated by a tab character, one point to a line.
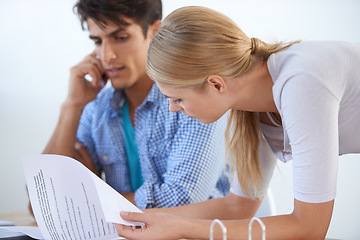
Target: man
125	132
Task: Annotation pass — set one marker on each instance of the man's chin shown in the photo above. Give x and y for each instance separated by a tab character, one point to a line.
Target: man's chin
118	85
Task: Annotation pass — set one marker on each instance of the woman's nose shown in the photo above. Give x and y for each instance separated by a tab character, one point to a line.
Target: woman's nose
173	107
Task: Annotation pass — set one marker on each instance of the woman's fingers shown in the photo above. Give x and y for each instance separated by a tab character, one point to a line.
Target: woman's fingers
133	216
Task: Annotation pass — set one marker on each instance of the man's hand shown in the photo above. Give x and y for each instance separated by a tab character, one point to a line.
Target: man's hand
83	156
81	91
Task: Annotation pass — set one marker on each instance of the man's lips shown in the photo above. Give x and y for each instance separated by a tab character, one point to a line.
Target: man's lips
113	71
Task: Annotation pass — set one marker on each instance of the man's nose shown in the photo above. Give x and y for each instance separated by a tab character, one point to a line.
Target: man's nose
108	53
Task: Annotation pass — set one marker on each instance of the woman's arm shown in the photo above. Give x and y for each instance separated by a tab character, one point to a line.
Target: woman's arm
229	207
308	221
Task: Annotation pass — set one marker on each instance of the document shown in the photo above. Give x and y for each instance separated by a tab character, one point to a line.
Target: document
6	223
71	202
23	232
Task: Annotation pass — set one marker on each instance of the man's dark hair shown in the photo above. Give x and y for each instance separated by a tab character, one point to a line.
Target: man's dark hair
143	12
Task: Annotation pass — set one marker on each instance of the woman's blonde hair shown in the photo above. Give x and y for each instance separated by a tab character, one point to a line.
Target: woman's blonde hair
195	42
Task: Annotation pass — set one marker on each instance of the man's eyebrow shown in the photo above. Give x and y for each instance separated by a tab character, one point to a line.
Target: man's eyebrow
120	29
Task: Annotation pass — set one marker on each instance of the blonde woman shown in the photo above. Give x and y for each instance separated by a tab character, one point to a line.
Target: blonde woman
301	99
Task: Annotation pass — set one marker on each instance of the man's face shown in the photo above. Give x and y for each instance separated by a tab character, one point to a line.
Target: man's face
122	51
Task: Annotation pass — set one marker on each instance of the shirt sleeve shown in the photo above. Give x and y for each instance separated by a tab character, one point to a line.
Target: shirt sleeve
195	165
309	112
84	132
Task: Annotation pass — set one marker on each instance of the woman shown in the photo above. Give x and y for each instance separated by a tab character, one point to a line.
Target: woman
302	99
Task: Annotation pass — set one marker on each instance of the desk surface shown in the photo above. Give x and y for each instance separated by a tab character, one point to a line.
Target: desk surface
19	218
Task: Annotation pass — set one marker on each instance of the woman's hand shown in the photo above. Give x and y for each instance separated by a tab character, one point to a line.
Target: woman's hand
157	226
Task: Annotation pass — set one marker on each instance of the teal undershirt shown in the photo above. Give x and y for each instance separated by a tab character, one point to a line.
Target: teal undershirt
131	149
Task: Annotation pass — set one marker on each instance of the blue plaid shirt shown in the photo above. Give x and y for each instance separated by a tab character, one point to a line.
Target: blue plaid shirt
181	159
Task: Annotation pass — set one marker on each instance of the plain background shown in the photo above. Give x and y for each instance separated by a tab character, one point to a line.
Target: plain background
40	40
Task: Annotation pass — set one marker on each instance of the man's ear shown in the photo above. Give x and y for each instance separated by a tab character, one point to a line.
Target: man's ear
217	83
155	27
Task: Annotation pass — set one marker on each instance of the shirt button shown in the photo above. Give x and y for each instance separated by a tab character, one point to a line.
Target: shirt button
105	158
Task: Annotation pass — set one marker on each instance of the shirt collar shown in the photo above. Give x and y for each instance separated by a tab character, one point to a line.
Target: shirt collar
154	96
118	98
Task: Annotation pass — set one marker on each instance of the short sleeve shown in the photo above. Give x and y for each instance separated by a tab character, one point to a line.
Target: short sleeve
309	112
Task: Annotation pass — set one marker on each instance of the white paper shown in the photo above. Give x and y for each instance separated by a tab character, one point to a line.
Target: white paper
33	232
6	223
70	202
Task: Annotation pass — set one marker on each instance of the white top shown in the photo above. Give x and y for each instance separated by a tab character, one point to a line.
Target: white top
267	164
317	93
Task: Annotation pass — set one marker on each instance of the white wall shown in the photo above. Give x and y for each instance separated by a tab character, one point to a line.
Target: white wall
41	40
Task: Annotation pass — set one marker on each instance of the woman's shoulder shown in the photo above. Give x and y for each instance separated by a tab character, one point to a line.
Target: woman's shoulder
314	63
308	56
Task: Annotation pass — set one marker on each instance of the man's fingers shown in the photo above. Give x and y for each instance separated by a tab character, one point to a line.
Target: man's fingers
96	77
93	53
94	60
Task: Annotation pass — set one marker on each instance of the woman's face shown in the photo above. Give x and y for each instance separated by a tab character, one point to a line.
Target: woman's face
202	104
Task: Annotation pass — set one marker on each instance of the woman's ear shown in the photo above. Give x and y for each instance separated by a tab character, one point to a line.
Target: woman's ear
217	83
